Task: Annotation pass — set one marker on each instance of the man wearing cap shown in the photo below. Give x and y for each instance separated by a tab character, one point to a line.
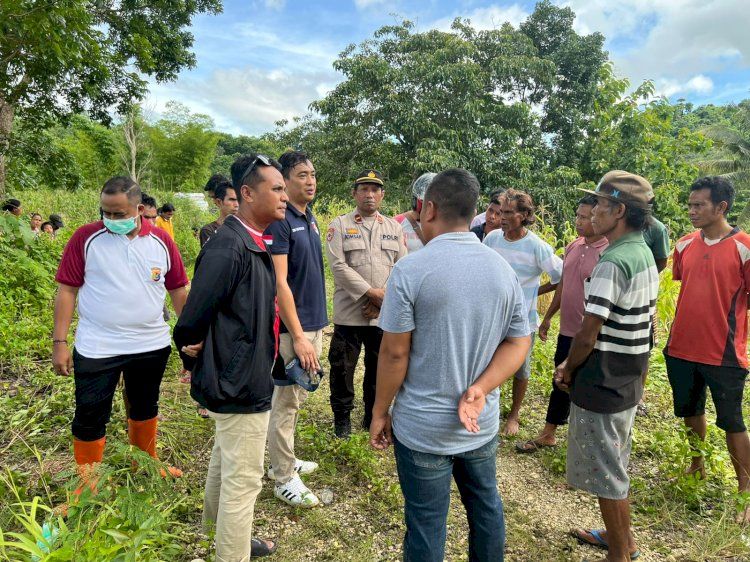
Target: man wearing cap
300	285
409	221
604	368
363	247
707	345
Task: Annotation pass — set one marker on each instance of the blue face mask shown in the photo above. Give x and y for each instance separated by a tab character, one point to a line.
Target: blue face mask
121	226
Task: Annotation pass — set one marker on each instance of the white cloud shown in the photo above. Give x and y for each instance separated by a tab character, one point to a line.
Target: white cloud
246	100
674	43
491	17
277	5
363	4
698	84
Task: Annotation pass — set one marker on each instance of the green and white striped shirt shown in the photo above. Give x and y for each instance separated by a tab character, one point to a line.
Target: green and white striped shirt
621	291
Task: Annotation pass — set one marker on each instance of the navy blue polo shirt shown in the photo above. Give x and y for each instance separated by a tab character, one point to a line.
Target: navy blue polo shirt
298	237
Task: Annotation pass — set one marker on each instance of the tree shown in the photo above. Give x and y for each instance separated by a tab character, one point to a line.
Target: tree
568	101
62	56
636	133
440	99
183	145
134	151
731	159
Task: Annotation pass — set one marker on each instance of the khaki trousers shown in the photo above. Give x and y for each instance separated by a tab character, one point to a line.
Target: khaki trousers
234	481
285	406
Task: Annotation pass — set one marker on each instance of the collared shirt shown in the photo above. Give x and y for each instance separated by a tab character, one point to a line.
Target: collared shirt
455	333
578	263
298	237
710	323
622	292
361	254
123	283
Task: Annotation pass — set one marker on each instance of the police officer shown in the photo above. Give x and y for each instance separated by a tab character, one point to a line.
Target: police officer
362	248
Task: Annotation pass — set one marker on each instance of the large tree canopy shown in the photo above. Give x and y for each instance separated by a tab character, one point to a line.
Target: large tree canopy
62	56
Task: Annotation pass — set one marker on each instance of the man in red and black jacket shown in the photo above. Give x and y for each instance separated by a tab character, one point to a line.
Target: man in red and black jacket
228	338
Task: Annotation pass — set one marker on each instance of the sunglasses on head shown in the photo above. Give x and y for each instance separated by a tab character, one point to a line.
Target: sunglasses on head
262	158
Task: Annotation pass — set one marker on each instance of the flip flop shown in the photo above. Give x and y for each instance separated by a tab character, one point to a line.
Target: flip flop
532	446
598	541
259	548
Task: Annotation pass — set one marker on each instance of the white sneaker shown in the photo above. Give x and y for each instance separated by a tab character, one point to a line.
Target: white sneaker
300	467
295	493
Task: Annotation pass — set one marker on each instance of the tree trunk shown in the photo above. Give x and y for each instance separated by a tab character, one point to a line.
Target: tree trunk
7	112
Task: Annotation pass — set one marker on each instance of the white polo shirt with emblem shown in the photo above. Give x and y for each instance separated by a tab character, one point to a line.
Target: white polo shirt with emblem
122	285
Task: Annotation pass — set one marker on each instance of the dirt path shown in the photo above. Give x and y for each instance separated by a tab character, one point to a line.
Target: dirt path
540	509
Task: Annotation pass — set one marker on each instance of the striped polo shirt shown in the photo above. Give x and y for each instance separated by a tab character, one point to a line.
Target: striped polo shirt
621	291
122	285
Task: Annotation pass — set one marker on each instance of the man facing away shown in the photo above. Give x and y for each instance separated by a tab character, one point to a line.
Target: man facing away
228	339
605	364
363	247
707	346
225	199
445	352
300	284
118	271
581	256
409	220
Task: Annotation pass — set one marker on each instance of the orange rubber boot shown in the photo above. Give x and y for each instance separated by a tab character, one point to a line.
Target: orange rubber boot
88	455
142	434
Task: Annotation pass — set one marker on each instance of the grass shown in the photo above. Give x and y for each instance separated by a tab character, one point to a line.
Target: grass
139	516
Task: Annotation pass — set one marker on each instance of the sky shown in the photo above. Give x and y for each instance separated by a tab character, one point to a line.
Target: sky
261	61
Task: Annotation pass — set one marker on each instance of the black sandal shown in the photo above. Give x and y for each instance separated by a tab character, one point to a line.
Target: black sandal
259	548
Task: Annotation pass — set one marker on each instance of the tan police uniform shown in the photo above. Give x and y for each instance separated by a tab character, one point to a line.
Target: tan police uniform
361	252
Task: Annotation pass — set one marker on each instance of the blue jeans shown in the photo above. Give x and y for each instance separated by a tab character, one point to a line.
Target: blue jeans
426	484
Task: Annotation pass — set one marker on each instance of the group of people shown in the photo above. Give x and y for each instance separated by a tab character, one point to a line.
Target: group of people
36	223
446	313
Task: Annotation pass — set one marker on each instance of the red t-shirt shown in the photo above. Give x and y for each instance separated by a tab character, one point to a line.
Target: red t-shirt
710	324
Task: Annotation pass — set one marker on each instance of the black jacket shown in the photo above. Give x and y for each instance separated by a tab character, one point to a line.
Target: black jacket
232	308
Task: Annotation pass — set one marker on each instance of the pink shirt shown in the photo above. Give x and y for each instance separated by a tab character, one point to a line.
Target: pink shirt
578	263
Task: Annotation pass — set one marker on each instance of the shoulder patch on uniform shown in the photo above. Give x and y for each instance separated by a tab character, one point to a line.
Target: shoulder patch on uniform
329	235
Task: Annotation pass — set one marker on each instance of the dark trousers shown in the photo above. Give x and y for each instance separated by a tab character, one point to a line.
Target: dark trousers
426	484
343	355
558	409
96	383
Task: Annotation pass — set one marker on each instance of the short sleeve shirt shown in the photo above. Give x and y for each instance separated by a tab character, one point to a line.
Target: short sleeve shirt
529	257
122	285
298	237
656	237
715	282
455	333
413	243
578	263
621	291
207	231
